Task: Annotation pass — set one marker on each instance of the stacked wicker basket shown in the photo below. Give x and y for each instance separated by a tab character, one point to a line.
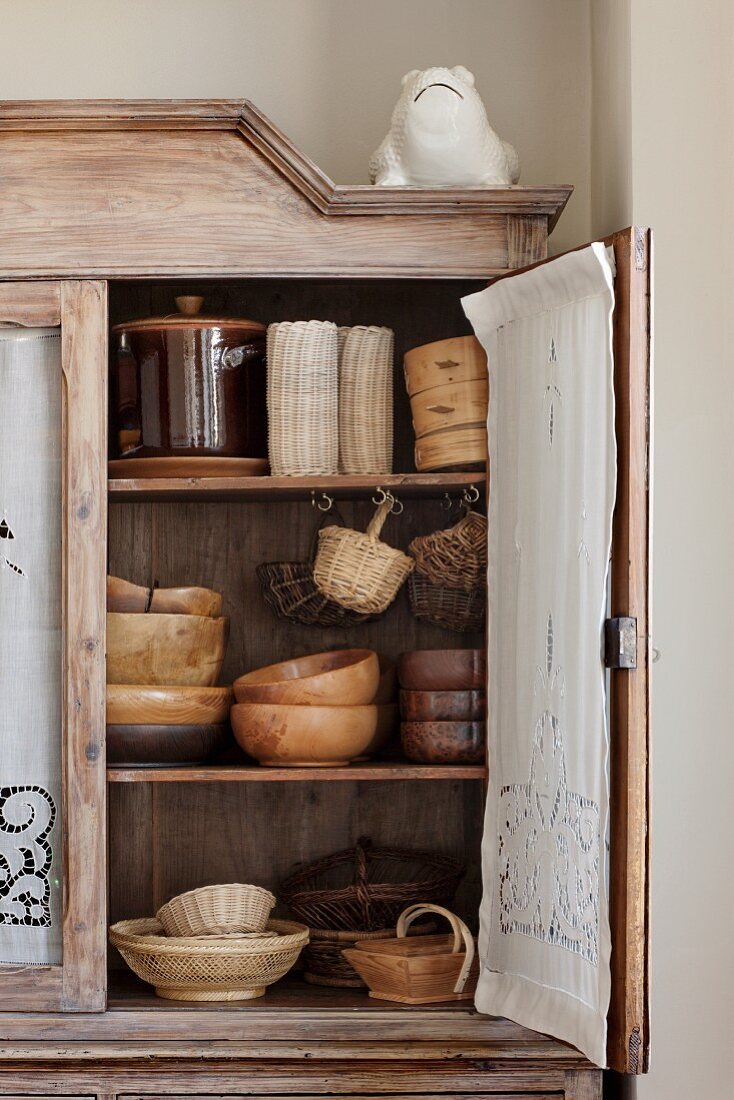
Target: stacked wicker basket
448	584
212	944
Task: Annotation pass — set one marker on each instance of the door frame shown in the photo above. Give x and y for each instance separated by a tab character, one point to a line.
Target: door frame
80	309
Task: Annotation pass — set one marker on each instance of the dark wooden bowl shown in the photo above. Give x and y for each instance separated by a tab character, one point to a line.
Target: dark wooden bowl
442	670
443	742
442	706
148	746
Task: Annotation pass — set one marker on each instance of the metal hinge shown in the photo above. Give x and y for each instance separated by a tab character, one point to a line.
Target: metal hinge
620	643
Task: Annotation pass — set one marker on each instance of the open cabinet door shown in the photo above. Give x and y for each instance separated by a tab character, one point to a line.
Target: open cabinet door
563	936
53	414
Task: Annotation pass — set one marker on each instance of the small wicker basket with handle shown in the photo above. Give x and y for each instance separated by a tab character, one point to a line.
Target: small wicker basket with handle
356	569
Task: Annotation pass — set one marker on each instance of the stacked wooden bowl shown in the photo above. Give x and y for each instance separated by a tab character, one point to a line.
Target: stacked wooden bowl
443	705
323	710
165	649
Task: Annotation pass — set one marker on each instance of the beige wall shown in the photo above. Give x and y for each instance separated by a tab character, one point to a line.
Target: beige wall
654	142
326	71
668	67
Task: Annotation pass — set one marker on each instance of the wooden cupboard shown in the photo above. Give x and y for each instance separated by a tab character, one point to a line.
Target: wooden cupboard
109	211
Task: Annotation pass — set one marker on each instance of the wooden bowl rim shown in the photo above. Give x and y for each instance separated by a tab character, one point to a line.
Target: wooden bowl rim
247	678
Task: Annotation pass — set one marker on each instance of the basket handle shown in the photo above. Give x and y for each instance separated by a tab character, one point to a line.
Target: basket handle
460	930
378	520
361	887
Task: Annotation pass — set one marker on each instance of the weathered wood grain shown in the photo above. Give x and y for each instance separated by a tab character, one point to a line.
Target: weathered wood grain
30	304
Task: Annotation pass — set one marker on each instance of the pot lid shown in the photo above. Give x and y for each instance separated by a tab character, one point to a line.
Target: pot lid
188	316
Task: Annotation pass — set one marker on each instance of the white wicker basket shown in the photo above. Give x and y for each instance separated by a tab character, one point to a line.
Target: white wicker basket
365	399
303	394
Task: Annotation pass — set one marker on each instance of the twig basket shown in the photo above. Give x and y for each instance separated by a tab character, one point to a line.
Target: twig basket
450	608
365	399
356	569
231	969
455	557
217	910
364	888
303	393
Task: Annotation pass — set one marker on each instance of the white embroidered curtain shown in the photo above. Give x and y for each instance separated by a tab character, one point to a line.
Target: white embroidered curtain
544	923
30	646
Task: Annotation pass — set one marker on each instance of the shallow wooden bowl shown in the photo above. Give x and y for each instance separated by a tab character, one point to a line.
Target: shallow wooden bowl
165	649
442	706
443	742
343	677
442	670
143	704
303	736
127	597
143	746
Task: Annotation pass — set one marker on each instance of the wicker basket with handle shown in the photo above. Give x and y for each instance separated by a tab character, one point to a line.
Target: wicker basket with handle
208	969
419	971
356	569
364	888
324	962
450	608
455	557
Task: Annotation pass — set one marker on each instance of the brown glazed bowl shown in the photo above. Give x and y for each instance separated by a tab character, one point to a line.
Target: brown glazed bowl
442	706
443	670
444	742
186	384
145	746
340	677
303	736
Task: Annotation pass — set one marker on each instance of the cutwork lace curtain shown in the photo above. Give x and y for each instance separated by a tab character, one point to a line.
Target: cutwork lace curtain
30	646
544	925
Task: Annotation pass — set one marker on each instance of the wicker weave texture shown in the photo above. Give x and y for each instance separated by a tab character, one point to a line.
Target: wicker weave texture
289	589
451	608
303	398
357	570
217	910
456	557
231	969
365	399
365	888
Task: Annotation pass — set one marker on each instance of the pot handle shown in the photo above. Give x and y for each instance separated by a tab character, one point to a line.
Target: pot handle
235	357
460	930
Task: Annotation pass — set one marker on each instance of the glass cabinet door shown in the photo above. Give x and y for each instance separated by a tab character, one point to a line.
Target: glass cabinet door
52	569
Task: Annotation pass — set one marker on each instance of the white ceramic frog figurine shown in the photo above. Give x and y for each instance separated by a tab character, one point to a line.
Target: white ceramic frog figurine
440	136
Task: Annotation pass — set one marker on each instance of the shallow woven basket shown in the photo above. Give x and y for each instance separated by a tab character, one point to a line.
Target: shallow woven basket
303	398
365	399
217	910
289	588
231	969
455	557
324	963
365	888
451	608
357	570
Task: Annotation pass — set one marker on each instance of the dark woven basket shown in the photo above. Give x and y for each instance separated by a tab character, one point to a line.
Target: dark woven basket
289	588
451	608
365	888
324	963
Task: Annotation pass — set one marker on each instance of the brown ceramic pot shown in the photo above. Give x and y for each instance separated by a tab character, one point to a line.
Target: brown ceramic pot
443	742
189	385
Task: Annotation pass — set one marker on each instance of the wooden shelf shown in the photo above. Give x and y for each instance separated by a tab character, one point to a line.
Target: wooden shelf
344	487
243	773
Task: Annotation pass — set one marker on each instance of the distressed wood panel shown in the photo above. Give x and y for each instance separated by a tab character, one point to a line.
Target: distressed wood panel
30	304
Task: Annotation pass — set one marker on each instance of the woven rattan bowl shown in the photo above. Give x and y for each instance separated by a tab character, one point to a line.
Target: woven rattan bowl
217	911
235	969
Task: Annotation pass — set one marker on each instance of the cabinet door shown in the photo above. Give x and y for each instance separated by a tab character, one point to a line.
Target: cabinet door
552	446
53	450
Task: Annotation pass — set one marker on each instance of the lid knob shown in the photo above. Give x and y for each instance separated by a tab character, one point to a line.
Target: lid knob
189	304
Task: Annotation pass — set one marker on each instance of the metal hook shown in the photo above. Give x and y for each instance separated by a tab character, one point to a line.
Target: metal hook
470	495
397	505
381	496
324	504
447	503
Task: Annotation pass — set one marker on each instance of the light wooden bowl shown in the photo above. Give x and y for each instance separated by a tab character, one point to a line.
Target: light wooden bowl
143	704
303	736
165	649
344	677
127	597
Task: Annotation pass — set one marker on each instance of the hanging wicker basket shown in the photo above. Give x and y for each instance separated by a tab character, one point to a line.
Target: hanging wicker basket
357	570
451	608
455	557
364	888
